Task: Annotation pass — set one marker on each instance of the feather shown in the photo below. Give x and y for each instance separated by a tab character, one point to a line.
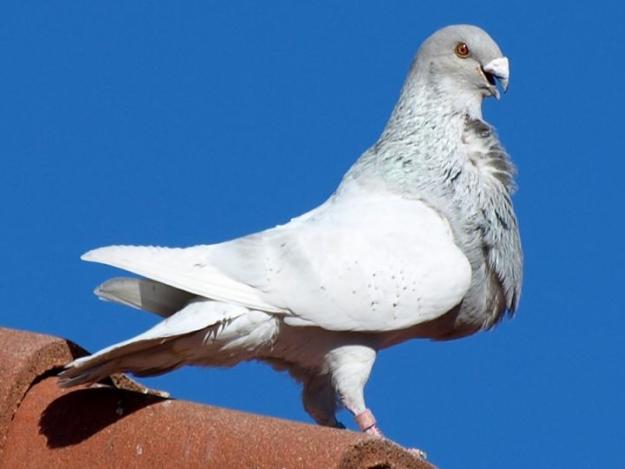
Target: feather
170	343
183	269
144	294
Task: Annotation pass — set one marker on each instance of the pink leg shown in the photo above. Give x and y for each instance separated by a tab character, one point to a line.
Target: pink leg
367	423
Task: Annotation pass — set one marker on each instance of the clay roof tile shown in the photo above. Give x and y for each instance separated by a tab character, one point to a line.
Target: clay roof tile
42	425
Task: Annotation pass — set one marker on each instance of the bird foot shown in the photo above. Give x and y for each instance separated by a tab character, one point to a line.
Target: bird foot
374	431
338	425
417	453
367	424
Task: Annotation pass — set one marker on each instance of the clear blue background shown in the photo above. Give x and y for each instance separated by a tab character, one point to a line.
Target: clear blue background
177	123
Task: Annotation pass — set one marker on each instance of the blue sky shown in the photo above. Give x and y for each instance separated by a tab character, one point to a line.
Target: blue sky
178	123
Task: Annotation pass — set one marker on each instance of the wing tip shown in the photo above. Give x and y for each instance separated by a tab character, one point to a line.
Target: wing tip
88	256
99	254
94	255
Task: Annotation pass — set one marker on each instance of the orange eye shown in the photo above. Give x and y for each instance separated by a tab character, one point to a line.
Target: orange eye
462	50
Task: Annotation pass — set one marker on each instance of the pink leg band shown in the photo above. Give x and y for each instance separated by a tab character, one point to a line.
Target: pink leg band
365	420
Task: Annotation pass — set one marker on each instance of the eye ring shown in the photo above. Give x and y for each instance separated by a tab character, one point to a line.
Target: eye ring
462	50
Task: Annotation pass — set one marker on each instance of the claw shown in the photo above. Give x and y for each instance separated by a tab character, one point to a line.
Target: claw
417	453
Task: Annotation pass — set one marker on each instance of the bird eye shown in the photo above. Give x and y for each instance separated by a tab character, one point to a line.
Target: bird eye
462	50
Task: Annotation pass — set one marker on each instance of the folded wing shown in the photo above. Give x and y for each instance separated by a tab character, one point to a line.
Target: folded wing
374	263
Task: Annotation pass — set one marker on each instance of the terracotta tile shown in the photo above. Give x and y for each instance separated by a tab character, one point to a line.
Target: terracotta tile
24	356
102	426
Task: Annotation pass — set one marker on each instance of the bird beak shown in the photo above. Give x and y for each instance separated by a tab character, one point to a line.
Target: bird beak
497	69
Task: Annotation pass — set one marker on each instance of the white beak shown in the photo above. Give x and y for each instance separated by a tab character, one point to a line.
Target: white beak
500	68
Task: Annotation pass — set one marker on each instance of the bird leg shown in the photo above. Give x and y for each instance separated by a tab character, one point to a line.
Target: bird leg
367	423
319	398
350	366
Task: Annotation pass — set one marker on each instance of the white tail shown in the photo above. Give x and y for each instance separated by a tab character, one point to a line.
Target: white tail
186	269
145	294
181	338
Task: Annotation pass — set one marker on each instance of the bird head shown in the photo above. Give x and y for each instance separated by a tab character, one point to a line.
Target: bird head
463	61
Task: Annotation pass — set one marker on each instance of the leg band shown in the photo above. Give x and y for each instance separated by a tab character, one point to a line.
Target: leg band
365	420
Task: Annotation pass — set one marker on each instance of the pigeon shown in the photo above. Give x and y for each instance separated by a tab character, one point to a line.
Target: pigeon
420	240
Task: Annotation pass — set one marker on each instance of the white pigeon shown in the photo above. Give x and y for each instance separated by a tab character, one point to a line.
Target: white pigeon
420	240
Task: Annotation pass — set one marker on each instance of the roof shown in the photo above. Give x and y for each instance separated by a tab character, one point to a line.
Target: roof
121	423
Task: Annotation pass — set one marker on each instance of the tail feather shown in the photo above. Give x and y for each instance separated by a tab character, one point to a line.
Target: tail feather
186	269
152	360
148	295
169	344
